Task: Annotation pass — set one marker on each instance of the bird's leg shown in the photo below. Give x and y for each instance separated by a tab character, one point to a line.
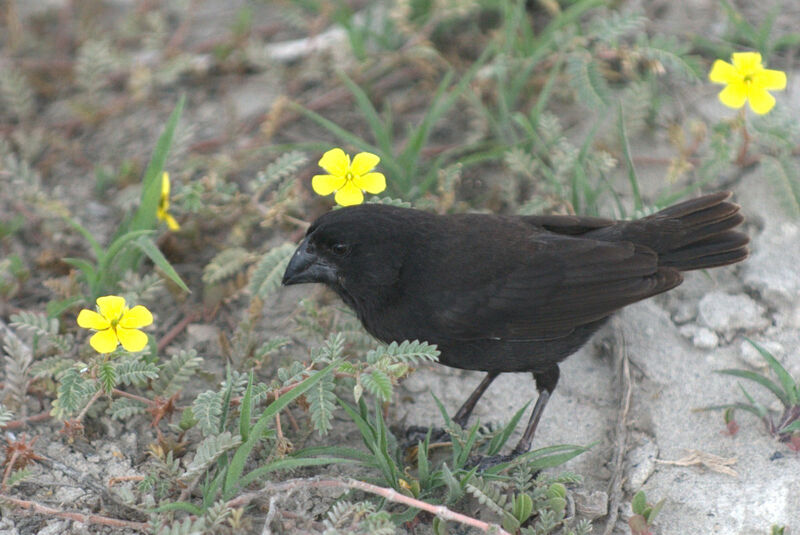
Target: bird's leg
545	383
416	433
463	414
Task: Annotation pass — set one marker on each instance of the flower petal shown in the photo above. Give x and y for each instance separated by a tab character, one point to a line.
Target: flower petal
89	319
171	223
747	63
734	95
760	101
770	79
327	184
131	339
364	162
371	182
350	194
165	185
136	317
104	341
111	306
335	162
723	72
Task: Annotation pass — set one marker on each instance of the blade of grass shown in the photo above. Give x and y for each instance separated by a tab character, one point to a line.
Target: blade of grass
236	466
760	379
151	250
145	216
246	408
500	439
379	131
788	383
289	463
542	458
626	151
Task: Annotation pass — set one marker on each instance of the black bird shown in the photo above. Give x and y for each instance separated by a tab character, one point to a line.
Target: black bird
508	293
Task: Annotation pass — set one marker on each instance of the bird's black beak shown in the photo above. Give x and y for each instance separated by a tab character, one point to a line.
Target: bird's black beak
306	266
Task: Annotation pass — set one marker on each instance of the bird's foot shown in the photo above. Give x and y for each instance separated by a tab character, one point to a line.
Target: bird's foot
417	433
484	462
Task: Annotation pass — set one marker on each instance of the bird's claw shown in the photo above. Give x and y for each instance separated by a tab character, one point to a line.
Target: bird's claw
484	462
417	433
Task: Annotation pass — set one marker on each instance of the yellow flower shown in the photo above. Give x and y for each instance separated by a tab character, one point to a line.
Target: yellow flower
116	324
348	180
162	212
747	80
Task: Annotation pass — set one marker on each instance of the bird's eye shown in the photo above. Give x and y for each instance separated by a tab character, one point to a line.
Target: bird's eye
339	249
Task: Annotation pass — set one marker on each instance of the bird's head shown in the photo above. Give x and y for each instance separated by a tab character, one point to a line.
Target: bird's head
354	250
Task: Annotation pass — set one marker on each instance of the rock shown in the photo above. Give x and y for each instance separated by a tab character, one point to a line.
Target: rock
640	462
750	355
701	337
777	255
591	505
201	333
684	313
726	313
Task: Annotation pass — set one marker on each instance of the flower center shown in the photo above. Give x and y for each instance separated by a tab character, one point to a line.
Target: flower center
348	176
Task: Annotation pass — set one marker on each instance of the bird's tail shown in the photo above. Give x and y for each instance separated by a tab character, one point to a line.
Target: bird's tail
694	234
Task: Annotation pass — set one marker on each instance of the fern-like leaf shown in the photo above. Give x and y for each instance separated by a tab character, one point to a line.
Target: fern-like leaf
378	384
73	390
136	372
107	373
123	409
783	174
266	277
226	264
17	370
670	53
586	80
285	165
407	352
176	372
207	409
5	415
15	93
208	451
35	323
322	403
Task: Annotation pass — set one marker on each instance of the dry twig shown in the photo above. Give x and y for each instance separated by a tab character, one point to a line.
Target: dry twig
389	494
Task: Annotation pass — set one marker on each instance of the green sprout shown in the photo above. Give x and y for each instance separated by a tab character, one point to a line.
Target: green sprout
643	514
786	427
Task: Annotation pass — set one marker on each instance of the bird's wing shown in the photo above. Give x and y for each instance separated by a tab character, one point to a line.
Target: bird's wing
549	290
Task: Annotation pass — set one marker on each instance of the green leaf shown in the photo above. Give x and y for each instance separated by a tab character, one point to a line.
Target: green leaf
542	458
97	249
289	463
788	383
653	513
381	134
741	406
86	267
626	151
237	464
145	216
791	428
379	384
151	250
500	439
336	451
639	503
246	408
266	277
760	379
180	506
